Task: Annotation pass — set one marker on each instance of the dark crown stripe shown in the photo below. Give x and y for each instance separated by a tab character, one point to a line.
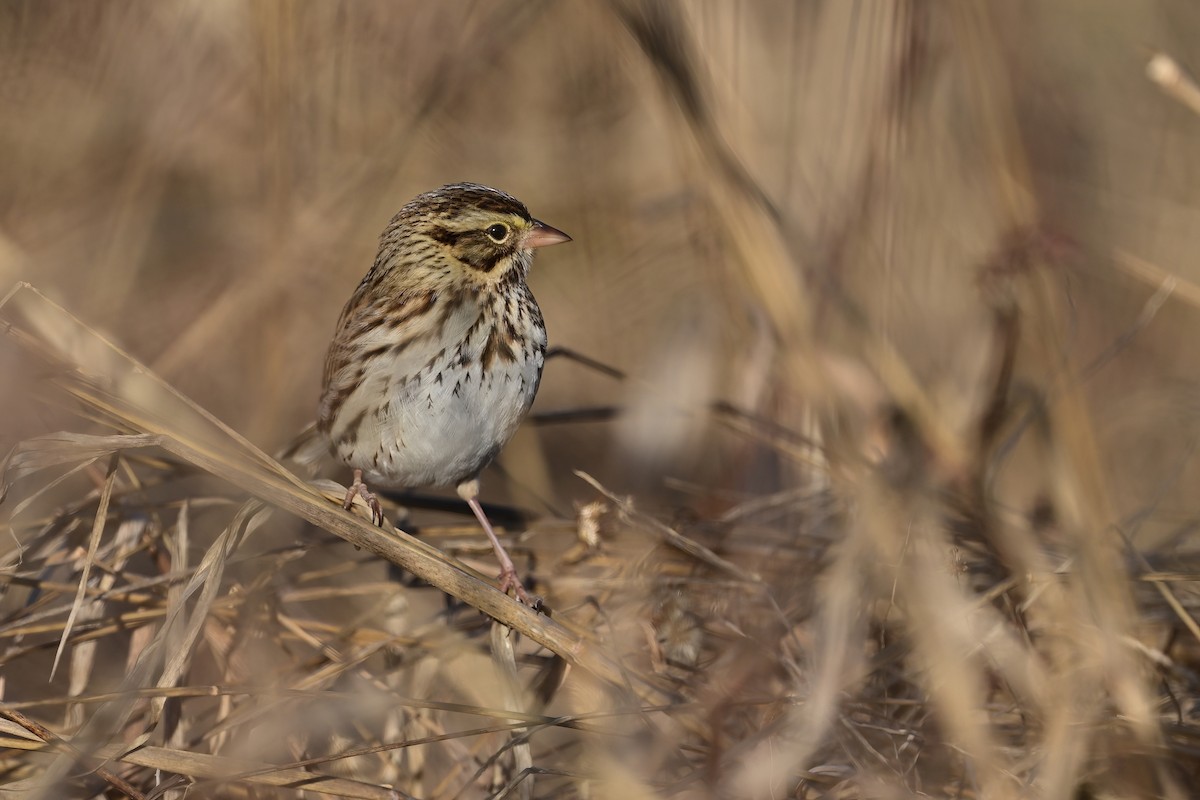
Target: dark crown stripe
473	194
501	205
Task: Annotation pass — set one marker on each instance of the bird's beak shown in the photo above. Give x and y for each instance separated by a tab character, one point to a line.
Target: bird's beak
542	235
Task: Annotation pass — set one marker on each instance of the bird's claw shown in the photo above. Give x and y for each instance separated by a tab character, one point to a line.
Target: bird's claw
509	580
359	489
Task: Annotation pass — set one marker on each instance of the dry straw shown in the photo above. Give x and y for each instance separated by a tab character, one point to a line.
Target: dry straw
933	595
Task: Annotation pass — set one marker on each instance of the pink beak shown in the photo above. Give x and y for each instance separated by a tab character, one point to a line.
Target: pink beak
542	235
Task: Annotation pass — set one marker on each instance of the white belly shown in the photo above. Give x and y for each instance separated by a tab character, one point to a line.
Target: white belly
440	434
447	421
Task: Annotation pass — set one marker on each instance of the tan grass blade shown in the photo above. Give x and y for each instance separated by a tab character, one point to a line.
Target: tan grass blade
93	544
83	654
1170	77
1155	275
671	536
208	579
219	769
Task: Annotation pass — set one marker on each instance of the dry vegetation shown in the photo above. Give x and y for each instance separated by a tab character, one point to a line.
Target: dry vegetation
887	489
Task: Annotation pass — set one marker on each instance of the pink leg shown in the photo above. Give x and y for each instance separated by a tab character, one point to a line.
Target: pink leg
359	488
469	491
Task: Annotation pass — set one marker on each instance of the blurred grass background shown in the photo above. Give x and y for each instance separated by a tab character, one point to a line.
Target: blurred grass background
206	182
809	234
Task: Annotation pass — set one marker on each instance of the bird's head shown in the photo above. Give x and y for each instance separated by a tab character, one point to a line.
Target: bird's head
484	233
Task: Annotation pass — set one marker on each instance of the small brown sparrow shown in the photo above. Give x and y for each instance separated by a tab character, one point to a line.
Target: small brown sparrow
438	354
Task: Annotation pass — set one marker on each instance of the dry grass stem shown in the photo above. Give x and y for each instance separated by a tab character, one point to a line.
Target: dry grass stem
866	468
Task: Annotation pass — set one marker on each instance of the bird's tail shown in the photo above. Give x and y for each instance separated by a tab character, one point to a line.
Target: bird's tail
308	450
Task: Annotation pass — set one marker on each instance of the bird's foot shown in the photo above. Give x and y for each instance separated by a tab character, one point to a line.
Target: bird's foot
359	489
509	580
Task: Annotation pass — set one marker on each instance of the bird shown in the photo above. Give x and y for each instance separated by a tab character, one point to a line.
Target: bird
438	354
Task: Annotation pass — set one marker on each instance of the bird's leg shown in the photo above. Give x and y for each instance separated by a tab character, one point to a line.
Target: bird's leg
469	491
358	487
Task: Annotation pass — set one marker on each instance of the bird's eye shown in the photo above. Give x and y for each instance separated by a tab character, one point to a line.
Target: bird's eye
498	233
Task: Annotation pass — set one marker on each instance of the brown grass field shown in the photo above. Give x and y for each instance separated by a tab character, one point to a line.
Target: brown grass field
874	476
